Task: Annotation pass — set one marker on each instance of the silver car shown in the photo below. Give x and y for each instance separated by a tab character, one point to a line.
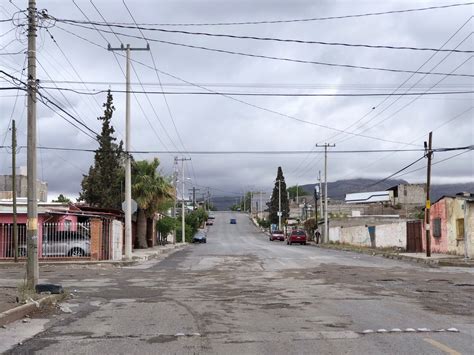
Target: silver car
63	243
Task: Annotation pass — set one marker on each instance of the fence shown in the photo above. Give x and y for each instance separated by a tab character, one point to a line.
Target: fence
84	240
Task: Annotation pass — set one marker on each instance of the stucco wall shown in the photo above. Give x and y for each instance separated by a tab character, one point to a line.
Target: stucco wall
449	210
438	244
386	235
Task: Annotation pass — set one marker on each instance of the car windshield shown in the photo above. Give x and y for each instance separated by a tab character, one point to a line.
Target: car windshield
277	232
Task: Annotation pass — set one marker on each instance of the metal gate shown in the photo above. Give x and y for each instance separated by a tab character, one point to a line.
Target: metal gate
414	242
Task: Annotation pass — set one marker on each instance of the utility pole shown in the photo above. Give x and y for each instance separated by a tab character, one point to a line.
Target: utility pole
428	154
320	193
297	196
326	225
279	204
183	223
316	204
15	226
128	157
261	205
32	270
175	185
194	196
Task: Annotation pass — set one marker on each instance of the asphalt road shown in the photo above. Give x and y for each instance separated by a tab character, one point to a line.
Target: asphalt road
242	294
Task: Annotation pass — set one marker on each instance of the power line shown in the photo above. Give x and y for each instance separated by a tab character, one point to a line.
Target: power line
161	86
280	114
256	38
397	172
284	59
403	83
271	152
391	12
161	92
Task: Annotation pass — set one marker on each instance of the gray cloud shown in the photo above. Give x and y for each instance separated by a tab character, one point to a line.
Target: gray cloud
217	123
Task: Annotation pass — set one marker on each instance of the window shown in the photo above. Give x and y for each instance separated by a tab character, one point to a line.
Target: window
437	227
460	229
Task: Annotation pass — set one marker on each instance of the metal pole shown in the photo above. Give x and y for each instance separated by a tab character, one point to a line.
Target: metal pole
429	153
279	205
297	196
261	206
325	237
32	272
466	234
320	194
175	183
15	226
183	224
128	168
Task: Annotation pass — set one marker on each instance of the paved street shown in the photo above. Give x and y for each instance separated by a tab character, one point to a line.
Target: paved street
242	294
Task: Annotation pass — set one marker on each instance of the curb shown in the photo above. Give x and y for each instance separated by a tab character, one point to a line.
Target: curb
430	262
19	312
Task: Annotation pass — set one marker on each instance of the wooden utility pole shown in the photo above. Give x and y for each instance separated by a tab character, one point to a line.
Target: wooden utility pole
32	270
428	154
15	226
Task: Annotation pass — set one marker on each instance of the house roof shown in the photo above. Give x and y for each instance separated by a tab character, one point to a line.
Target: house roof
368	197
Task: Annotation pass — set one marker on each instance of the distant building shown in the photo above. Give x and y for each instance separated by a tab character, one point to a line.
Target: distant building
21	187
409	194
369	197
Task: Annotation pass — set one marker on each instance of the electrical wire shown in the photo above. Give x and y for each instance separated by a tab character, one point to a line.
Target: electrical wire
161	92
326	18
272	152
284	59
256	38
161	87
280	114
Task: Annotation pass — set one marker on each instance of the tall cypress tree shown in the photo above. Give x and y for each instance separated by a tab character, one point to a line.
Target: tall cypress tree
102	187
273	204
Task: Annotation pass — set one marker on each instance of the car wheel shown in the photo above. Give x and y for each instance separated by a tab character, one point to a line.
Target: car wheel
76	252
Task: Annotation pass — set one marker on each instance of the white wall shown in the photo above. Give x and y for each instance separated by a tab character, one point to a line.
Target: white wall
386	235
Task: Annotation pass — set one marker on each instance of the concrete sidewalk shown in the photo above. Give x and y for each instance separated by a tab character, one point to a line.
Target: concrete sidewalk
434	259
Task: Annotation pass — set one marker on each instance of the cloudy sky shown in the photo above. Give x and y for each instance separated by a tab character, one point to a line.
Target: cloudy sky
79	60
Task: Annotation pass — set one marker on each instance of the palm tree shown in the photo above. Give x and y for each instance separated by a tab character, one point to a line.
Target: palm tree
151	191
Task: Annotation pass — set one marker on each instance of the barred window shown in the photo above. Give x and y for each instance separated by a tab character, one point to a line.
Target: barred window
437	227
460	229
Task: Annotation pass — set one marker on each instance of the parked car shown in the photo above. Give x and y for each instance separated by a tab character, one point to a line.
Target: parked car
210	222
211	216
200	237
296	236
277	235
233	221
63	243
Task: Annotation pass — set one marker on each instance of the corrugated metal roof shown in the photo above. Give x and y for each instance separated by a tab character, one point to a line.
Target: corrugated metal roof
368	197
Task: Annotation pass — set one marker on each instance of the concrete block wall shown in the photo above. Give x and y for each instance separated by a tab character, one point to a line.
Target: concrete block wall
386	235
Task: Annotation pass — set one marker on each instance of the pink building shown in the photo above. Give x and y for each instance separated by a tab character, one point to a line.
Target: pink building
452	225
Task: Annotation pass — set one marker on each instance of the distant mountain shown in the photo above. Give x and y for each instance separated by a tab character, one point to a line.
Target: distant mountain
224	203
337	190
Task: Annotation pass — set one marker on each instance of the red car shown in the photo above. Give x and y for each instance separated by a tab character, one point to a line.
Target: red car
296	236
277	235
